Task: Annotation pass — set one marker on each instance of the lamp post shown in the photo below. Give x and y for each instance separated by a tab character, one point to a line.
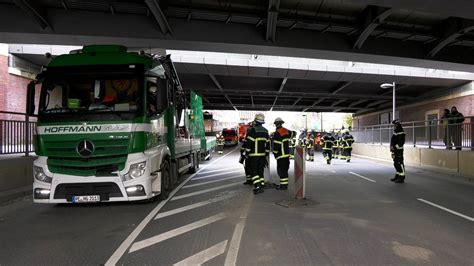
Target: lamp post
305	122
388	86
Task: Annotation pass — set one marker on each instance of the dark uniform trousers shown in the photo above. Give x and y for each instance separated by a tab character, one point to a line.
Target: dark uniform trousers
283	165
256	165
327	153
398	162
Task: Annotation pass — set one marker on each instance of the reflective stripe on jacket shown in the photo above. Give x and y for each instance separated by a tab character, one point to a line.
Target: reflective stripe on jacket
327	142
257	142
281	142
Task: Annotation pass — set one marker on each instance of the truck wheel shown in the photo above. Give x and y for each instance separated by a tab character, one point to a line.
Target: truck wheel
194	162
165	180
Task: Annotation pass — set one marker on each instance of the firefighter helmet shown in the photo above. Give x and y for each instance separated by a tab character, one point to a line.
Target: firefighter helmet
260	118
278	120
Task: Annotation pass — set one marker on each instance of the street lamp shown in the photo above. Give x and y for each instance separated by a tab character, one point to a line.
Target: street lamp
388	86
305	122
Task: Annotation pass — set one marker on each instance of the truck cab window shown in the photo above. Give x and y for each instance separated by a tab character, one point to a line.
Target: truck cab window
152	96
54	99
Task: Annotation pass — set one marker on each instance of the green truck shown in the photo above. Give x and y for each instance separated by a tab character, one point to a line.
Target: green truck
112	125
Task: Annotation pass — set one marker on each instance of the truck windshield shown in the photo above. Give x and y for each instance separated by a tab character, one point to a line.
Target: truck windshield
91	96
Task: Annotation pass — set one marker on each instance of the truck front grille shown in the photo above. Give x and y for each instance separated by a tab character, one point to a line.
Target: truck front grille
109	156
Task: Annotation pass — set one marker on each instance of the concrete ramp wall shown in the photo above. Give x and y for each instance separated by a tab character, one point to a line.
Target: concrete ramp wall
448	161
16	175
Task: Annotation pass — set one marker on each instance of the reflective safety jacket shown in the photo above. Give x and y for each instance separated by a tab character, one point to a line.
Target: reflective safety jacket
242	149
327	142
220	141
398	139
257	142
337	143
309	143
281	142
302	142
293	139
347	141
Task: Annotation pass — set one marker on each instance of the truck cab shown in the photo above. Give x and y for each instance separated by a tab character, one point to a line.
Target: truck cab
112	126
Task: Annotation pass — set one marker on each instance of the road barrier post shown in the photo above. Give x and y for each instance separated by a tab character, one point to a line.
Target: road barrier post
300	169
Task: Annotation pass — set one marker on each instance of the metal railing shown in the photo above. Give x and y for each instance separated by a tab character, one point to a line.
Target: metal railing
16	136
428	133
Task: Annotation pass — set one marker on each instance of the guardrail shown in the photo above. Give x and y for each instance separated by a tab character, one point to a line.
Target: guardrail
16	136
428	133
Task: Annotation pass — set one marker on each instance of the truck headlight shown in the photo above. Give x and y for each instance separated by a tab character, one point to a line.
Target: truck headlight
136	170
40	175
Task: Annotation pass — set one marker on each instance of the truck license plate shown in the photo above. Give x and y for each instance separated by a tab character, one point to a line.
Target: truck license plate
88	198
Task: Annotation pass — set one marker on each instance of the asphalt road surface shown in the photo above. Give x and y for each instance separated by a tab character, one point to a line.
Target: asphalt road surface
353	215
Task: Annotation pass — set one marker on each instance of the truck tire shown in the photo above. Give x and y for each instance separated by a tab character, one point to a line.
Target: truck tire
194	162
165	179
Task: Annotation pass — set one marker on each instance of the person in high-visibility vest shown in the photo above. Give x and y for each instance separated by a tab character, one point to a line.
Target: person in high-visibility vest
327	142
257	148
335	146
292	144
220	143
281	150
310	147
347	141
396	148
243	156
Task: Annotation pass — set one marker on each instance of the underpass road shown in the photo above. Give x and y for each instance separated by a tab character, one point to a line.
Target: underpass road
353	216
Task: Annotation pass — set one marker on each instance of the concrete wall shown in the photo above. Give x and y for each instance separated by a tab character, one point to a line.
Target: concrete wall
448	161
461	97
16	172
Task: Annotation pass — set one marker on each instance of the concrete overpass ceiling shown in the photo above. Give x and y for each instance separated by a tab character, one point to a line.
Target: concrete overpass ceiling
404	32
236	81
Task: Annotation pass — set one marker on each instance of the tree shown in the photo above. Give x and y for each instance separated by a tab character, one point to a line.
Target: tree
347	120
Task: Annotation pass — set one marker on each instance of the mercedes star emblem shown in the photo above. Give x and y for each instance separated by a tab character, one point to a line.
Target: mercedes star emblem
85	148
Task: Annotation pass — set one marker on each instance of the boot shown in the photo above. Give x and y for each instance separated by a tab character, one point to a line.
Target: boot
328	161
401	179
348	160
282	187
394	178
248	182
258	190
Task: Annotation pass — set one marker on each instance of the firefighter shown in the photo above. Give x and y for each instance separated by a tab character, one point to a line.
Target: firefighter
327	142
302	138
347	141
257	148
281	150
396	148
317	142
335	147
292	144
310	147
243	156
220	143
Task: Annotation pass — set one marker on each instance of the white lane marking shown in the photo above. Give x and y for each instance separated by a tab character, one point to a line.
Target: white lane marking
214	175
333	171
212	181
192	206
175	232
129	240
205	191
233	252
222	169
446	209
363	177
205	255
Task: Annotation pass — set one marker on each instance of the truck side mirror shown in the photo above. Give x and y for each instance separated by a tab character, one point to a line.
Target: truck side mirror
162	95
30	98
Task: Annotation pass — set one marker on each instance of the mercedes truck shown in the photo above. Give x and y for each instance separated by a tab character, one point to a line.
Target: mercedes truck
112	125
